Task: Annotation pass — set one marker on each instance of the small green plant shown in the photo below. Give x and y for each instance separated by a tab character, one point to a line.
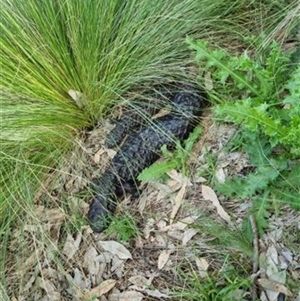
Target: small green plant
176	159
267	110
124	228
221	286
260	83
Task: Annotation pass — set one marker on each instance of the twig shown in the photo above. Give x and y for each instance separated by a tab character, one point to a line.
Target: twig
255	255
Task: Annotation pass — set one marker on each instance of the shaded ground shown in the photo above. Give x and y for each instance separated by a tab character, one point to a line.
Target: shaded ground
51	264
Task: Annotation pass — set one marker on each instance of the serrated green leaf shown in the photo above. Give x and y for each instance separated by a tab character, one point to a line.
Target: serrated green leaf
260	210
232	187
259	181
156	171
219	58
191	140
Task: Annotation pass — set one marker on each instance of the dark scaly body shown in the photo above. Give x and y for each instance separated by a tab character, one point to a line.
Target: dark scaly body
140	151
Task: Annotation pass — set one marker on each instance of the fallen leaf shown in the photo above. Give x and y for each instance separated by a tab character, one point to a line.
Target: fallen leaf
274	286
46	285
126	296
97	155
159	240
55	296
202	266
268	296
200	180
116	249
156	294
163	258
272	254
209	195
91	262
29	283
176	234
178	202
71	246
180	225
111	153
78	279
153	293
78	98
139	281
54	216
117	266
77	283
208	81
149	227
220	175
175	175
188	235
100	290
31	260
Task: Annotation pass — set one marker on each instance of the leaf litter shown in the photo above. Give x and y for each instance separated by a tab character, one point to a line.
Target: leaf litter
54	263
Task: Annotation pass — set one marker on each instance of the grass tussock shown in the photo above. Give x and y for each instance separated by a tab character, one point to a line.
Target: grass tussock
100	49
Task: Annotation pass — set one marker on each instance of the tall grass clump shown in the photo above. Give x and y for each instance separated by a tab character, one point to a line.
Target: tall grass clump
98	48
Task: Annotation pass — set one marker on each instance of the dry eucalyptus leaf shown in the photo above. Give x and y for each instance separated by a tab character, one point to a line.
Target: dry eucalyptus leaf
200	180
117	266
100	290
180	225
208	83
274	286
173	185
50	273
149	227
179	177
29	283
126	296
97	155
54	216
202	266
153	293
162	224
188	235
32	259
163	258
156	294
175	234
46	285
71	246
90	261
115	248
272	254
111	153
55	296
220	175
209	195
78	98
178	202
78	279
139	281
175	175
143	202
